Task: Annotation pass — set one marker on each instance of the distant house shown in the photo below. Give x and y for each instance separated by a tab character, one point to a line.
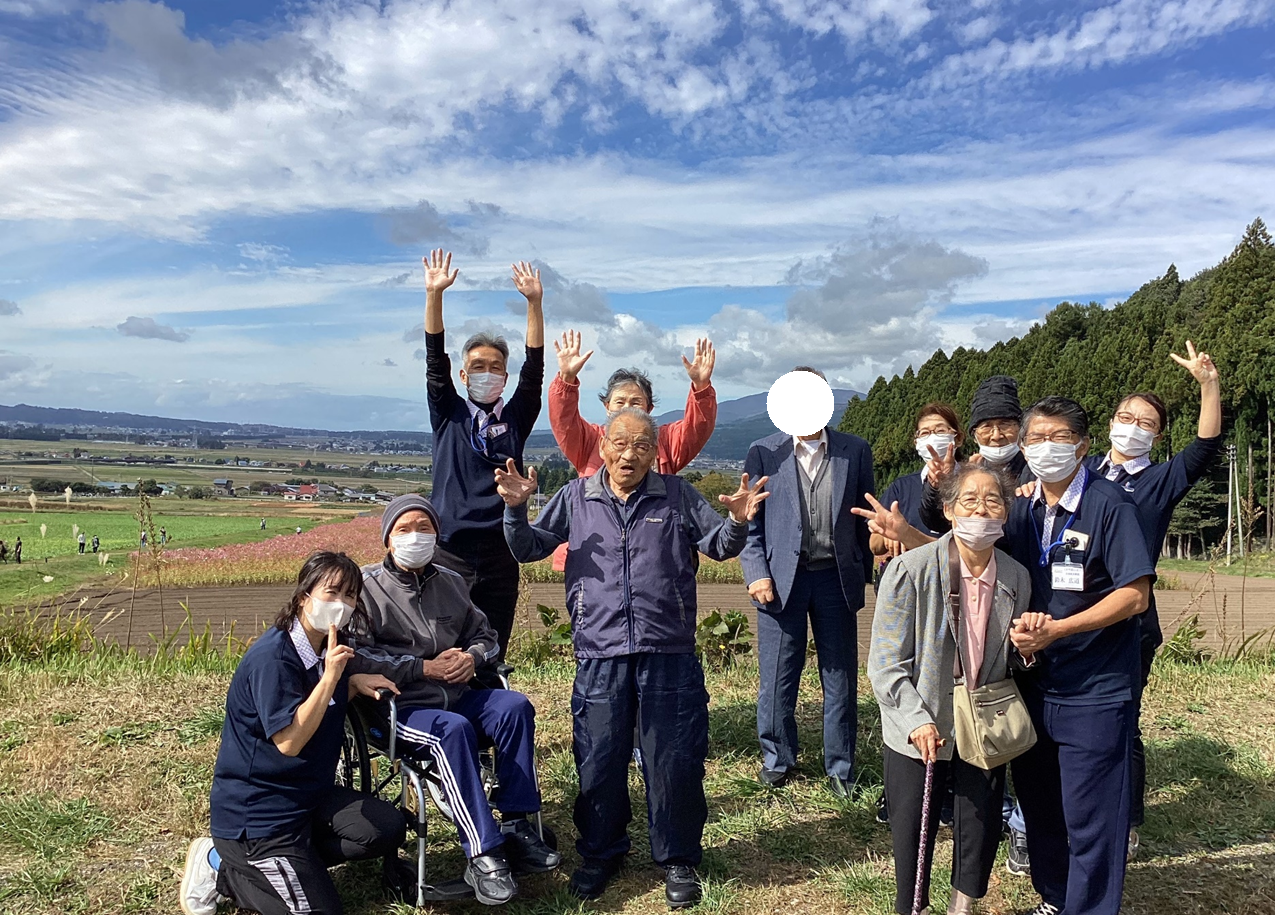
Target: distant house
308	492
223	488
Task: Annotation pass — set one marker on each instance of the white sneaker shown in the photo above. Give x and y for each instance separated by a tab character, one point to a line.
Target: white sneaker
1045	909
199	882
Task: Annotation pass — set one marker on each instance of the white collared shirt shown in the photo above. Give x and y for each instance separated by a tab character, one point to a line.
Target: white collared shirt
1110	469
811	454
1070	501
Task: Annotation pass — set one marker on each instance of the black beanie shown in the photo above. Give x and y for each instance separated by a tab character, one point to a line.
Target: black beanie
401	505
996	398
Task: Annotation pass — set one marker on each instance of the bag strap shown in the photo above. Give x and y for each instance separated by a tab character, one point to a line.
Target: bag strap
954	603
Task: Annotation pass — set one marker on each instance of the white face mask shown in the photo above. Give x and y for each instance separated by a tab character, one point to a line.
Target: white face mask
977	532
938	442
1131	440
325	613
1051	461
413	551
486	387
998	454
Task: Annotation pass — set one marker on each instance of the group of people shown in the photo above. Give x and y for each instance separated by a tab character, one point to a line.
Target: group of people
83	543
628	534
17	551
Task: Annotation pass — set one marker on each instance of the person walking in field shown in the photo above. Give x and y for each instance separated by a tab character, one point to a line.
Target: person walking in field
4	551
17	551
263	524
97	542
143	538
82	541
298	528
163	536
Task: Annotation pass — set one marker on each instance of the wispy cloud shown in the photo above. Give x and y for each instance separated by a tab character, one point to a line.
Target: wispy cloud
148	329
8	307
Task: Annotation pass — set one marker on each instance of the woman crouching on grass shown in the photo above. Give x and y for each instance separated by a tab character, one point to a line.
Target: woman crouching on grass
278	819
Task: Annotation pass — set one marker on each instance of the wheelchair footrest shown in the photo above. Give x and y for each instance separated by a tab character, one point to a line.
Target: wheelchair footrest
449	891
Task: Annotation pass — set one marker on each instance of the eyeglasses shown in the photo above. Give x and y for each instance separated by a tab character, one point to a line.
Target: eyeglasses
1004	427
1149	425
1061	437
641	449
991	503
935	430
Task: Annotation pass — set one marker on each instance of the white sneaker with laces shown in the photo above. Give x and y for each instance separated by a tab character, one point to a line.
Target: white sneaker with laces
199	882
1045	909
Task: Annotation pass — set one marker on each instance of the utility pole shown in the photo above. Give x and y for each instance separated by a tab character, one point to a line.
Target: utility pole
1230	502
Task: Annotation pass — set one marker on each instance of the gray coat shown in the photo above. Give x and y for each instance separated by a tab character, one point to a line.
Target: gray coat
913	652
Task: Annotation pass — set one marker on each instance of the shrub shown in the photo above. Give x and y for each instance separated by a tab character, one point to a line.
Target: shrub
719	639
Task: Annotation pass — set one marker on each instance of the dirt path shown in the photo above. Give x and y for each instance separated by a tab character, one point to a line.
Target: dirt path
1227	606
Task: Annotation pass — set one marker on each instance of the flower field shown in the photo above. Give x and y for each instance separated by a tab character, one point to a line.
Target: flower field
276	561
273	561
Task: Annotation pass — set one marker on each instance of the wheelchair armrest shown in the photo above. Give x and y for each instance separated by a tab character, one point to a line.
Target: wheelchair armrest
382	694
504	670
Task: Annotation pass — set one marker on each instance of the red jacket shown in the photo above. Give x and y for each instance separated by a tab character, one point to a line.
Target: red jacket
679	442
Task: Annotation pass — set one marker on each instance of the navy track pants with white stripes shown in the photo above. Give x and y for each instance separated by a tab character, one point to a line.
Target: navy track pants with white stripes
505	717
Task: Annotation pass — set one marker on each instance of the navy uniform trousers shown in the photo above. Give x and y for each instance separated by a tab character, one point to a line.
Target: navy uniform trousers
1074	788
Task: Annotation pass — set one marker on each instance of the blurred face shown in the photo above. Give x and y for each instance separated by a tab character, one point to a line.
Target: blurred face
483	359
628	450
979	496
627	395
1136	411
996	433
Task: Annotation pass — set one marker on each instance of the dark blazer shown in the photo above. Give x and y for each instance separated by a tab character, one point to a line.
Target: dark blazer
773	547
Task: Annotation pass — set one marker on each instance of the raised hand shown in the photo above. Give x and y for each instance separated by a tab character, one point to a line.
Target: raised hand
745	501
888	522
570	362
527	279
1200	365
701	370
438	270
512	486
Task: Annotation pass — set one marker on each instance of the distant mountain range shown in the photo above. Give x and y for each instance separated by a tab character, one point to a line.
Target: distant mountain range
739	423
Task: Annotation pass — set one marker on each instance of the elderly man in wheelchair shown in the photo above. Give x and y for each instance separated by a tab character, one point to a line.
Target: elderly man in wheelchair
437	647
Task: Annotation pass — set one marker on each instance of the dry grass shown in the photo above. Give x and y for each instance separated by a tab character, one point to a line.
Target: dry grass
105	769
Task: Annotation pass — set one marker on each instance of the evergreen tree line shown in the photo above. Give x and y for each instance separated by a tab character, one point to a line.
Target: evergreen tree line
1098	355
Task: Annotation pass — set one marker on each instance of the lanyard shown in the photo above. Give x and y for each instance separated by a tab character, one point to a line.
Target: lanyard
479	443
1058	541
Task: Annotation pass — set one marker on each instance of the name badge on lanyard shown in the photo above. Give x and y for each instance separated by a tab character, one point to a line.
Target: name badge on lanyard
1068	575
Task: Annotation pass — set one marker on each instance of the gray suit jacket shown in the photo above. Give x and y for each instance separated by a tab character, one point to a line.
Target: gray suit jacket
774	535
913	652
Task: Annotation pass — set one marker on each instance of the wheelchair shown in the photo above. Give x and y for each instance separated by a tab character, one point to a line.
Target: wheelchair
373	759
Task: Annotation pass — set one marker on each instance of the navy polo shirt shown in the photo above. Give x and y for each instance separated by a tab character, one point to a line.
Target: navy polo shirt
906	491
257	791
1101	666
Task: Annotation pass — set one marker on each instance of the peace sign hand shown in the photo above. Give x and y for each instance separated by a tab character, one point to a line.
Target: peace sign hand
1200	365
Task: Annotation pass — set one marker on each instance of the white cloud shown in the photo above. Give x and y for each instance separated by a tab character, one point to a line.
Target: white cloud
149	329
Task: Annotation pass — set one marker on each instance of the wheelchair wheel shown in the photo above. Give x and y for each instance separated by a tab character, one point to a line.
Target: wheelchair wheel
354	765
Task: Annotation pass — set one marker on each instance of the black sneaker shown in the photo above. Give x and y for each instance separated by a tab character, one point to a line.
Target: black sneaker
774	778
491	878
681	886
840	787
1019	863
524	848
883	809
1045	909
593	875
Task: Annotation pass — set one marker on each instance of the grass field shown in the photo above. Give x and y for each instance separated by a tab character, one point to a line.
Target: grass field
54	554
107	763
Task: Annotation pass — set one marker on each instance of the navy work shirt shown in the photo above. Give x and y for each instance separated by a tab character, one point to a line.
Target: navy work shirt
1089	668
257	791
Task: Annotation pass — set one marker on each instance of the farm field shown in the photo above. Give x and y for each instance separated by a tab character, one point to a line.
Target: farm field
108	760
54	556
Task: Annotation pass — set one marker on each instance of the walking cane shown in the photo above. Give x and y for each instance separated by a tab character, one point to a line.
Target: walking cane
918	893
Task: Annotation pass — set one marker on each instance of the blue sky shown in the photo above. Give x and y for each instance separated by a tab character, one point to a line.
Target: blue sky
217	209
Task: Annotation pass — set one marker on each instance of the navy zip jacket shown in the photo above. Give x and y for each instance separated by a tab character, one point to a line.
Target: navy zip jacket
630	565
464	474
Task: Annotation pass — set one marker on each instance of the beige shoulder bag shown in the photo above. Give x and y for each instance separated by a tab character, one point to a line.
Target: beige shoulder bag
992	723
